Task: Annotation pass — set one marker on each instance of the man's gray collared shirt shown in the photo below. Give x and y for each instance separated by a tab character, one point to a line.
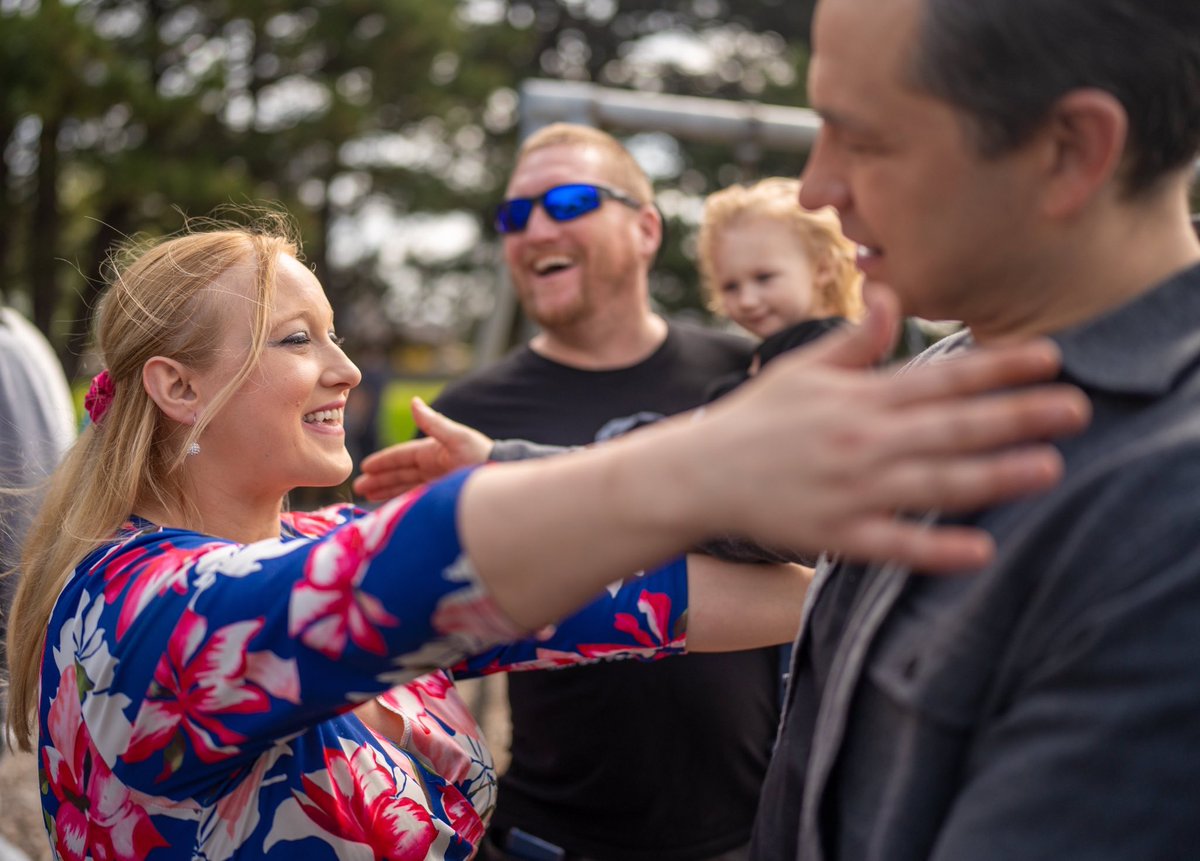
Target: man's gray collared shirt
1049	705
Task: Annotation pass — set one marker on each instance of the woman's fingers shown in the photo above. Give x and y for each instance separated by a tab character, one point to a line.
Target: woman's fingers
854	512
988	423
966	483
835	452
977	371
918	545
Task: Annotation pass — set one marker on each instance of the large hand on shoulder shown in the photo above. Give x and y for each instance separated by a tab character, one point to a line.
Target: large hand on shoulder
818	452
848	447
446	446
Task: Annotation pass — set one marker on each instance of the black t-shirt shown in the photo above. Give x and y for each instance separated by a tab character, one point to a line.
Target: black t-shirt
793	337
627	761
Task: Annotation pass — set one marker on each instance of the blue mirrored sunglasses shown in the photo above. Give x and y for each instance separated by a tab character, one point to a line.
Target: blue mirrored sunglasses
562	203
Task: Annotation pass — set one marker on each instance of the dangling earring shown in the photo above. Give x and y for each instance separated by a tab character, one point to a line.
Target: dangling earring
194	448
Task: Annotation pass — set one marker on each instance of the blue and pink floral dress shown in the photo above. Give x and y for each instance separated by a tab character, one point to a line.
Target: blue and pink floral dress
197	694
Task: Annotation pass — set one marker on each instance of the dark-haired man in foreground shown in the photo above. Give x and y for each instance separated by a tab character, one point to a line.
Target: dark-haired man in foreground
1021	165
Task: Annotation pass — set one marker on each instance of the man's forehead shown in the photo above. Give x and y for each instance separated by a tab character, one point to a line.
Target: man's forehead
867	18
862	49
559	163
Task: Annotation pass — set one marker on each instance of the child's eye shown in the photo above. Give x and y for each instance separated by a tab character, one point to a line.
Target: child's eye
763	277
730	287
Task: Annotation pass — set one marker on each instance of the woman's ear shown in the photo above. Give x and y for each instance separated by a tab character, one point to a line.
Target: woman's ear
170	385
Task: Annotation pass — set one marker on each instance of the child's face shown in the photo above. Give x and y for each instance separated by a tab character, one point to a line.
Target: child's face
763	276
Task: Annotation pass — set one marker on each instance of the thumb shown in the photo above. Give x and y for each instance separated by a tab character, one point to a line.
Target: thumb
870	342
432	423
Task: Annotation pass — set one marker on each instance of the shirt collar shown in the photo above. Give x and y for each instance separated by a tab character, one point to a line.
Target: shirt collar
1142	347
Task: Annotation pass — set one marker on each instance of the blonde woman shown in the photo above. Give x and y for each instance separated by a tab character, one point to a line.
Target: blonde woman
206	675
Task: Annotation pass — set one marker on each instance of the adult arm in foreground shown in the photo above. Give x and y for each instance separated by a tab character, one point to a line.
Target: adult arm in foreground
939	437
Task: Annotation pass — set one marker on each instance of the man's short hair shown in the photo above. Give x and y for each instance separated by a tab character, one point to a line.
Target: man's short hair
627	173
1006	62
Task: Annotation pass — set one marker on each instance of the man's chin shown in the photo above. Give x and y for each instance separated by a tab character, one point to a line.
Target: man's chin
555	316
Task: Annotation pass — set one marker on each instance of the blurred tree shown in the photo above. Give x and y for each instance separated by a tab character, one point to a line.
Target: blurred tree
752	50
386	127
122	116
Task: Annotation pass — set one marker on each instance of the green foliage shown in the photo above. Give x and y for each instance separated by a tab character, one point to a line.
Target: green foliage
121	117
395	417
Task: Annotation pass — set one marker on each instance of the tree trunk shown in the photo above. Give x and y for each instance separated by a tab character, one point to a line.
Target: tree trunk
107	235
7	212
43	240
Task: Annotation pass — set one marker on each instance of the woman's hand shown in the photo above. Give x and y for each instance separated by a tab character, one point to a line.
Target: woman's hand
823	451
446	446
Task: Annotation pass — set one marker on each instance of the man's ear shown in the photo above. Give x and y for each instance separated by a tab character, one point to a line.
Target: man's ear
649	230
1085	135
170	385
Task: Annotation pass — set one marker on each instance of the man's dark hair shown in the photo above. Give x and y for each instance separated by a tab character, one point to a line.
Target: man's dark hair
1006	62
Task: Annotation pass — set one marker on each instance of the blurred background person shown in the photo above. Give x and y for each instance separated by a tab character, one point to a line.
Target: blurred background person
581	234
37	424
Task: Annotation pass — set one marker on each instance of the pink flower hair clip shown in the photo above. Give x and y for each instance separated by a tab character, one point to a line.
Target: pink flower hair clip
99	396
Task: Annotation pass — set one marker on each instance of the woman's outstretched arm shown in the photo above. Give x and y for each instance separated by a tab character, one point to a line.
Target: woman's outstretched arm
817	453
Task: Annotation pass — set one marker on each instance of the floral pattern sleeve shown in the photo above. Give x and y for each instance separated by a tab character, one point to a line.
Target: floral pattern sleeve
225	647
643	617
197	694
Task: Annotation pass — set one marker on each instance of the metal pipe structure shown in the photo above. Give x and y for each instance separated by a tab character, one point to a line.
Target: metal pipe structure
774	127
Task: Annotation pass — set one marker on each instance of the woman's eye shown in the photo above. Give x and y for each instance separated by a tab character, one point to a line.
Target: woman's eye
337	339
296	339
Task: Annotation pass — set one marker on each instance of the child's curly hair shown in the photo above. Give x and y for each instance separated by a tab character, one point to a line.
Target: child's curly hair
837	281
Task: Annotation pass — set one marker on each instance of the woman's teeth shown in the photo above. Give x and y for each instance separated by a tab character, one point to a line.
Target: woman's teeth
327	416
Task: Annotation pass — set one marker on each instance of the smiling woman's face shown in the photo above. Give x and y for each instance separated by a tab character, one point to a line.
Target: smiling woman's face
283	427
